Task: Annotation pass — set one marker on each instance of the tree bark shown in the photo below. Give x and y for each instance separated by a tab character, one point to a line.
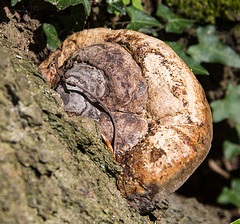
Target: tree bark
55	168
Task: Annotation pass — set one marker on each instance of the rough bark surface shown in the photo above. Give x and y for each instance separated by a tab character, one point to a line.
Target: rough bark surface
55	168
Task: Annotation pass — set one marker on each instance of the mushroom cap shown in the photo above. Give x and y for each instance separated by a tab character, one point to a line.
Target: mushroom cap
180	122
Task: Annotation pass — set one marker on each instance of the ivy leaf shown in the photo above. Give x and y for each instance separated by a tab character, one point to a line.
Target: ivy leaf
232	195
165	12
126	2
238	130
62	4
149	31
236	221
137	4
230	150
210	49
14	2
140	19
115	6
193	65
53	41
175	24
229	107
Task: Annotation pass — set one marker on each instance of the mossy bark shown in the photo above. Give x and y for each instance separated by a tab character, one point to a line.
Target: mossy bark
207	11
55	168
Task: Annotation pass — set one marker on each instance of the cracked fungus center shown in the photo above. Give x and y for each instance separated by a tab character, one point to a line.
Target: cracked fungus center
110	73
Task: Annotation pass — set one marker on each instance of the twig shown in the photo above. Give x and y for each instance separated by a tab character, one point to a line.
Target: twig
218	169
62	78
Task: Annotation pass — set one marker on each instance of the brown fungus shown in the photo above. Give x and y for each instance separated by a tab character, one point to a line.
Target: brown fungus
162	116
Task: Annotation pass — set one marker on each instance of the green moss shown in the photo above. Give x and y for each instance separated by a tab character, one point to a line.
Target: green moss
207	11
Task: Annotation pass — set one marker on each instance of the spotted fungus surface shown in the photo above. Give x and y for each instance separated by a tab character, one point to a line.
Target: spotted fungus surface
162	118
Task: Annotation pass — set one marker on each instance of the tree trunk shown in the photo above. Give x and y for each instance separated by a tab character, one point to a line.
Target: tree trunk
55	168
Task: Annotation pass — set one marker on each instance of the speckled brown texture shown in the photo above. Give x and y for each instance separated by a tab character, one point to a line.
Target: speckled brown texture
127	86
177	112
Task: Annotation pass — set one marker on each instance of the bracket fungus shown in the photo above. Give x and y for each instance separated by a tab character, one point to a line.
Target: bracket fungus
162	118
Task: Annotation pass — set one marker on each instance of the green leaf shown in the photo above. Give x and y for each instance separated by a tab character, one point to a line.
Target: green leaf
137	4
62	4
53	41
210	49
165	12
229	196
115	6
230	150
238	131
148	31
126	2
193	65
235	185
236	221
140	19
14	2
229	107
232	195
175	24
